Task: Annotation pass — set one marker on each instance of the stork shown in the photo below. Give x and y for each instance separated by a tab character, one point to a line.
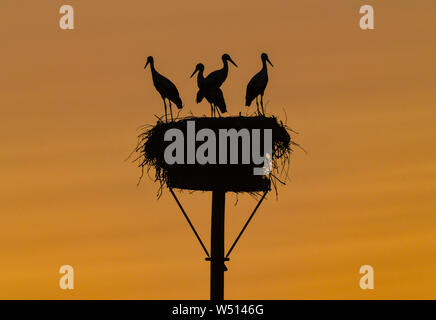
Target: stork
212	94
257	84
217	78
165	87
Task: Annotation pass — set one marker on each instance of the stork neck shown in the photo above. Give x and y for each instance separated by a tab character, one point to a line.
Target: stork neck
225	69
152	66
225	65
264	66
154	73
200	77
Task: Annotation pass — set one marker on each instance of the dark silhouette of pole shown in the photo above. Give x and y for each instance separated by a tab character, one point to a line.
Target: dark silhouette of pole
217	258
246	224
189	222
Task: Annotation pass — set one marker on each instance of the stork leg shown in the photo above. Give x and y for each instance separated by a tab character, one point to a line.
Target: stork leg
171	111
211	110
218	111
257	104
165	104
261	103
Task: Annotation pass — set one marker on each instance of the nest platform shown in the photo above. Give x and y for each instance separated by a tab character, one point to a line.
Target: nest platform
207	177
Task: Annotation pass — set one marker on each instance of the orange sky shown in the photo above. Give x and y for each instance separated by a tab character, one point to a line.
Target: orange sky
363	102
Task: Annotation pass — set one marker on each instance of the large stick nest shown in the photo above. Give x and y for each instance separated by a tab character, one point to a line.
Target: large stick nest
229	177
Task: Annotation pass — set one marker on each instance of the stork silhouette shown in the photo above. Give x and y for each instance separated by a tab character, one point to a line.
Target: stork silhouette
213	94
257	84
165	87
216	78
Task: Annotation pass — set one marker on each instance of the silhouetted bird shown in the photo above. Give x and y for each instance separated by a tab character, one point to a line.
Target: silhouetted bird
257	84
217	78
212	94
165	87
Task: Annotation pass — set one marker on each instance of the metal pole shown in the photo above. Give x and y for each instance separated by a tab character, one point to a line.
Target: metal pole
217	259
189	221
246	224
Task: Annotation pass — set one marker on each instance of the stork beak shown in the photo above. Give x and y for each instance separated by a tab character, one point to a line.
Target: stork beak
269	62
146	64
230	59
195	71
